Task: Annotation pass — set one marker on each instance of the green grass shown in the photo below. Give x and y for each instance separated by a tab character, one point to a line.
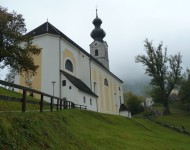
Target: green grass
17	106
80	129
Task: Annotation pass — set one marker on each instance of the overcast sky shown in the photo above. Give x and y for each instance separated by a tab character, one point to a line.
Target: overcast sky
126	22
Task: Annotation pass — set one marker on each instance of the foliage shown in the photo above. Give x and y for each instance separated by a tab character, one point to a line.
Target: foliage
12	29
184	92
10	76
132	102
77	129
163	79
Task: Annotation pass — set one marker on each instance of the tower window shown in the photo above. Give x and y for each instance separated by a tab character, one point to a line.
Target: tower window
106	81
69	65
96	52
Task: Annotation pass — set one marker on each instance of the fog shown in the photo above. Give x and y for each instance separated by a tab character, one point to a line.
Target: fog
127	24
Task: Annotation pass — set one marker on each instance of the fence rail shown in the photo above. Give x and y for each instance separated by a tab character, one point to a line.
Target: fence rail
61	103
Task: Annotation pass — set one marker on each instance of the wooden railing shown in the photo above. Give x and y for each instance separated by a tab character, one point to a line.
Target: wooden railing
61	103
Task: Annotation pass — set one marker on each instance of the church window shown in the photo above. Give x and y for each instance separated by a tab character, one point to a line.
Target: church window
96	52
84	99
90	101
106	82
69	65
119	89
64	83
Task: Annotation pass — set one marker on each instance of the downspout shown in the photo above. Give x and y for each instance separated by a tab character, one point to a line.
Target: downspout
60	67
90	75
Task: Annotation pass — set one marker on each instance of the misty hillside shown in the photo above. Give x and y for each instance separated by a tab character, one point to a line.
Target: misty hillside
135	87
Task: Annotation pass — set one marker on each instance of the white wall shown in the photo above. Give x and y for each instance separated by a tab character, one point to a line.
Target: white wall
70	94
125	114
92	107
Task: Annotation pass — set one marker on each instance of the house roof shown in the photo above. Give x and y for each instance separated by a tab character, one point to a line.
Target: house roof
49	28
123	108
78	83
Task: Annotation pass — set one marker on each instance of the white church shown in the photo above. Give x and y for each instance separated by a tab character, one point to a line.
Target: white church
80	77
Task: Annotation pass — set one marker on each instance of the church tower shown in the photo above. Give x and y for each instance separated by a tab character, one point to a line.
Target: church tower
99	48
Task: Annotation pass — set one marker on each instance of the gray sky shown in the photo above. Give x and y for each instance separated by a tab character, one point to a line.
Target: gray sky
126	22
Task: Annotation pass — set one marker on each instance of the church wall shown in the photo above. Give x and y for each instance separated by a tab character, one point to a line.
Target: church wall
80	61
50	65
106	99
69	94
92	106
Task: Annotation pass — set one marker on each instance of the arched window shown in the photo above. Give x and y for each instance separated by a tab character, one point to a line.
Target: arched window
106	82
69	65
96	52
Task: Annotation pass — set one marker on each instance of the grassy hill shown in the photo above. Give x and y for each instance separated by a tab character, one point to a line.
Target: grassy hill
179	115
17	106
80	129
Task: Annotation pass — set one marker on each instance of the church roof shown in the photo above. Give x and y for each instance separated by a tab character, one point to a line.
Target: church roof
49	28
78	83
123	108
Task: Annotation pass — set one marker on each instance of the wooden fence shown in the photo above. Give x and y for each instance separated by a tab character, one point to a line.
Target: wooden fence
61	103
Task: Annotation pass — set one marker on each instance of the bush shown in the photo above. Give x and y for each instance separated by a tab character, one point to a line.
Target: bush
133	102
147	113
141	109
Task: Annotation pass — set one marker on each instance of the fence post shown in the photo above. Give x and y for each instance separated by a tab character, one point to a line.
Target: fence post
51	104
60	104
24	101
69	105
57	104
41	104
85	107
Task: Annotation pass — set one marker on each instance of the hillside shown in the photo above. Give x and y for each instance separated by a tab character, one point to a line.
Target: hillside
17	106
80	129
179	115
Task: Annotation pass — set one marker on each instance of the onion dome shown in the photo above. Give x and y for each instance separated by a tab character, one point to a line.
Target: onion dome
98	34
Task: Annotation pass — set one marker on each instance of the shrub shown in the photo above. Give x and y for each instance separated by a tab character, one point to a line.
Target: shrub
147	113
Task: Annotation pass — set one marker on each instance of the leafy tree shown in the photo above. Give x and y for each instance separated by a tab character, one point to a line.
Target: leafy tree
184	92
10	76
133	102
12	29
163	79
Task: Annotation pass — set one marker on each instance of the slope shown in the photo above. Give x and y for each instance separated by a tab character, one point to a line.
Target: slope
80	129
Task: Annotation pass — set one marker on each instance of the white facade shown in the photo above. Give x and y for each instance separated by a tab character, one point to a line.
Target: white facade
149	102
125	114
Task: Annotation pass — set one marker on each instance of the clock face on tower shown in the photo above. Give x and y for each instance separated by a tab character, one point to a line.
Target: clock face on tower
95	44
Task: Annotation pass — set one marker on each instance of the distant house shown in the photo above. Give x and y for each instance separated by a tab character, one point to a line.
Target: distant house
174	91
124	111
149	102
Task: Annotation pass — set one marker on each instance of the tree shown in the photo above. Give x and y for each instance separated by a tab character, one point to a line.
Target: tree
12	29
10	76
184	92
163	79
133	102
